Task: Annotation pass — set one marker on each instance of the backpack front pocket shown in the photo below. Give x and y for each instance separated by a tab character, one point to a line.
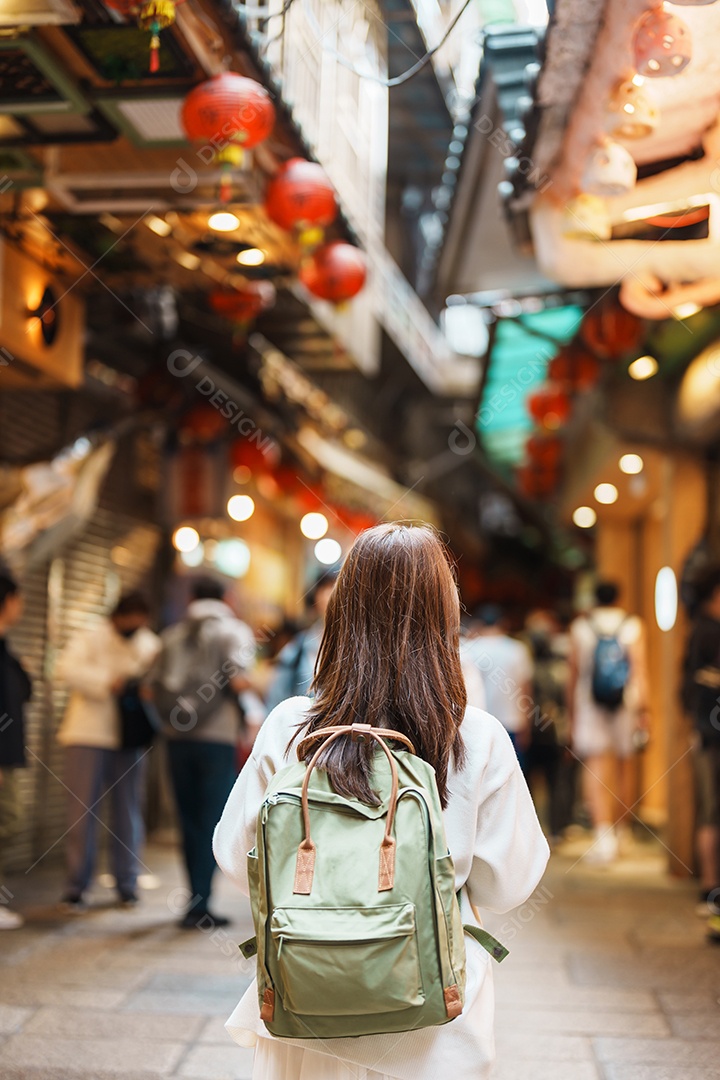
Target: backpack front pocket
332	959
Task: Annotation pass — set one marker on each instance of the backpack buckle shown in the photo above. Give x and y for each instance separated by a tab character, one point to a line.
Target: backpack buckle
358	732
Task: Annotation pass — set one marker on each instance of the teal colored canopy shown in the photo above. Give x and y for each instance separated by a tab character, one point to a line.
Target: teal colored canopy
517	363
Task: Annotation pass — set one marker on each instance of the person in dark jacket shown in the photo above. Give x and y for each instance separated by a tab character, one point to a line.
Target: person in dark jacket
15	692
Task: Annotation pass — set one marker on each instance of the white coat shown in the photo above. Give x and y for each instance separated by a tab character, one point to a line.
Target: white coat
91	662
500	855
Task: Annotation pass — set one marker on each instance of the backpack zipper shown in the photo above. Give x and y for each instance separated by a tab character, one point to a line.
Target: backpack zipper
273	800
316	943
286	797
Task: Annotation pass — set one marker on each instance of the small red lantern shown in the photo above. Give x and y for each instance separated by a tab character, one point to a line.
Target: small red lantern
334	272
549	406
536	482
243	305
152	15
301	196
544	451
610	331
662	44
574	368
232	114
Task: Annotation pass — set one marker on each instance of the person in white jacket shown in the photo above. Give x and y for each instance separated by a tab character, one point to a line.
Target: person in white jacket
95	665
389	657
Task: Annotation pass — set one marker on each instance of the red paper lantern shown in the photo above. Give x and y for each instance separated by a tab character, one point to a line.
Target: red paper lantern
544	451
662	44
152	15
334	272
536	482
301	196
232	114
243	305
574	368
549	406
228	109
610	331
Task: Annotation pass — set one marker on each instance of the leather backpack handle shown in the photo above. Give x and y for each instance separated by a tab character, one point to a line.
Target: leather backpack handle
305	865
358	731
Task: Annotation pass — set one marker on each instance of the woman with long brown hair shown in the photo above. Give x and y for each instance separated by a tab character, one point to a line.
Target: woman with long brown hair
389	658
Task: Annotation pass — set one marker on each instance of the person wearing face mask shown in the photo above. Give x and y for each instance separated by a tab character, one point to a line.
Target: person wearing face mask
96	666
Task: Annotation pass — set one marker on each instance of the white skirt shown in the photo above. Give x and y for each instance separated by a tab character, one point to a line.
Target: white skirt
280	1061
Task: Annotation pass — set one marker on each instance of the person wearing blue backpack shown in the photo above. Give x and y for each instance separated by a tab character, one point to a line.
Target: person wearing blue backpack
608	711
368	825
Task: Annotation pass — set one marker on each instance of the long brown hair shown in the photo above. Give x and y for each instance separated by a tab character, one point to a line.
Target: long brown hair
389	655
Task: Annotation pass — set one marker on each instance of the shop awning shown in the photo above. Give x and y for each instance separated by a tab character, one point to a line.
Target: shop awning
517	363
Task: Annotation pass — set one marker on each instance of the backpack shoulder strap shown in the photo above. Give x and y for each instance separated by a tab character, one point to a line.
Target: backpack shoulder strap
603	635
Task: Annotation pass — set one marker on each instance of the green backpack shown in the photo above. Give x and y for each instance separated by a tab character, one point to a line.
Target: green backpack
358	928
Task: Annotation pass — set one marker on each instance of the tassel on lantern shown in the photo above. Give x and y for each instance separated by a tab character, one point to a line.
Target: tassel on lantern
155	50
229	158
310	236
156	15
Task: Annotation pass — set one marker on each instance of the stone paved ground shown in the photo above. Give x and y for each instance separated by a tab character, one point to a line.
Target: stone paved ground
609	978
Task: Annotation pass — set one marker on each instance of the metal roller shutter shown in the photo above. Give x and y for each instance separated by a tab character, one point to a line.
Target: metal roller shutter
115	552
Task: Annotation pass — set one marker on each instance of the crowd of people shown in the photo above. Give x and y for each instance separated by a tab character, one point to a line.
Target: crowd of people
573	697
198	684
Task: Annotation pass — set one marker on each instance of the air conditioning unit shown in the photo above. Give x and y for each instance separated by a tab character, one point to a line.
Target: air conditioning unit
38	13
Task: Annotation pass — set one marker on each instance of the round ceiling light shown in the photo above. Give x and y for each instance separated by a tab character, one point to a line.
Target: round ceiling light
584	517
607	494
223	221
241	507
314	526
185	538
328	551
631	464
643	368
251	257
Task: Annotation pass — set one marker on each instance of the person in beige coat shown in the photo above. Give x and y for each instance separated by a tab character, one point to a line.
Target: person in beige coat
96	665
